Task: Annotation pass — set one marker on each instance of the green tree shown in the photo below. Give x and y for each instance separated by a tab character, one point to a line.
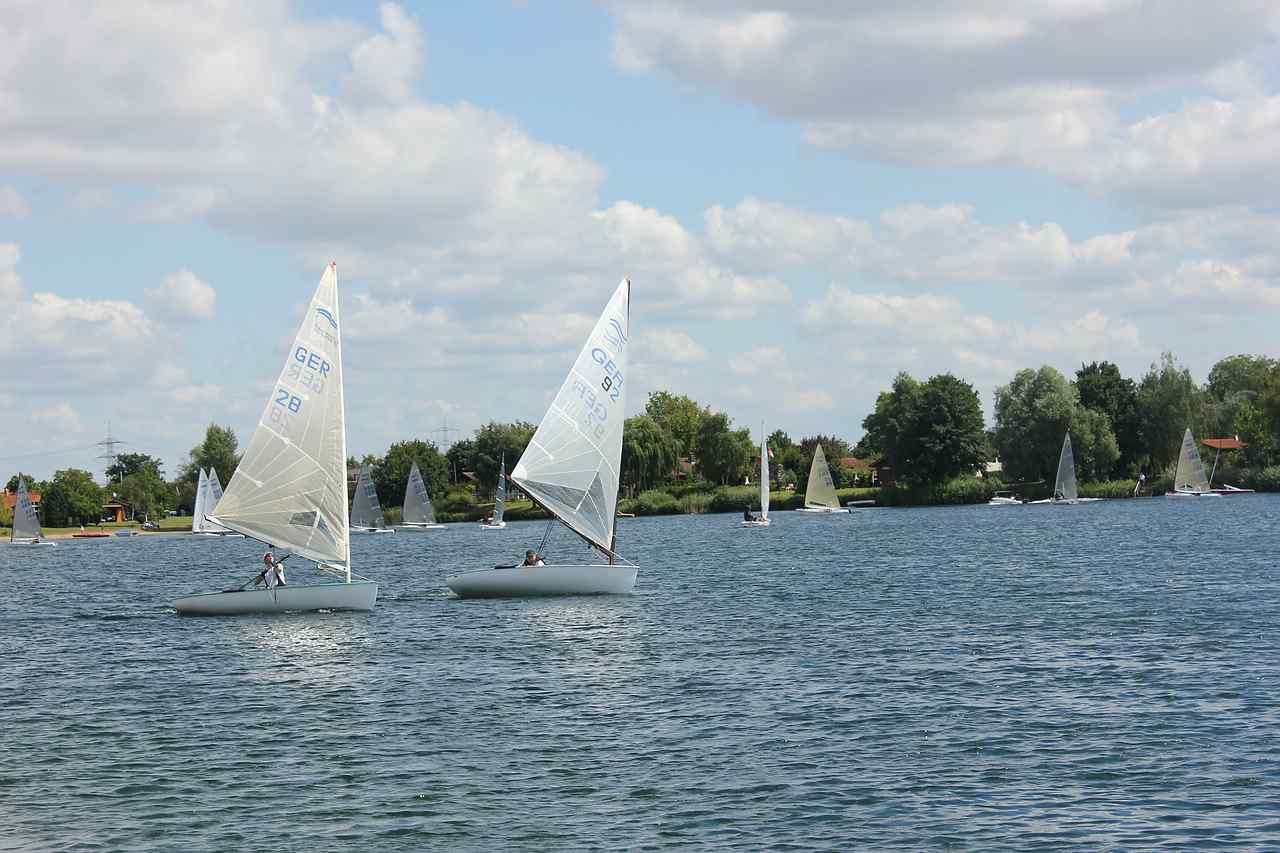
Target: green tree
494	442
1103	389
1093	444
461	457
723	453
649	453
891	420
32	484
1167	404
1033	412
391	473
132	463
72	497
679	415
945	435
145	490
833	448
217	451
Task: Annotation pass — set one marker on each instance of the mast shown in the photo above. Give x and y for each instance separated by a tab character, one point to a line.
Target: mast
342	407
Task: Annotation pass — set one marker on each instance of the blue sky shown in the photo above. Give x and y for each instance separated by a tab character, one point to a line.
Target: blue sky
807	202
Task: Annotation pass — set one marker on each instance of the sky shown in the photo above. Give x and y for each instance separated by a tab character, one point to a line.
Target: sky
807	198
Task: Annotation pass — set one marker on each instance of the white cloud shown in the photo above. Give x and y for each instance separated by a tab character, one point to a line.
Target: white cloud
12	204
57	421
183	297
384	65
669	346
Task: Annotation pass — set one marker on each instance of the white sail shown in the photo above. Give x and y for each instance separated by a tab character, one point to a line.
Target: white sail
366	511
214	487
1190	474
500	493
417	503
198	521
571	464
821	490
290	489
26	523
764	475
1064	486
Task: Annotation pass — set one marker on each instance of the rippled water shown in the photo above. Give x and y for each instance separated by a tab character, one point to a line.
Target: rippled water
984	677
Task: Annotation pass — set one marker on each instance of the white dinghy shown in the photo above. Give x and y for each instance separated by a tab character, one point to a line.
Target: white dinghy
763	519
366	511
1189	481
26	521
820	492
208	493
417	513
1065	490
290	490
495	521
570	468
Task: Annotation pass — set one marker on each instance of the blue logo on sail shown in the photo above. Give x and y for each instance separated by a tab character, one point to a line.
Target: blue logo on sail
324	312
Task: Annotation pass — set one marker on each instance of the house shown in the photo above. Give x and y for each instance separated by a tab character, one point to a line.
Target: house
116	510
684	469
859	469
11	499
883	473
989	468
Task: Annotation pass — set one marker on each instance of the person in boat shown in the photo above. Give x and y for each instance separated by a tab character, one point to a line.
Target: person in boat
531	558
746	513
272	573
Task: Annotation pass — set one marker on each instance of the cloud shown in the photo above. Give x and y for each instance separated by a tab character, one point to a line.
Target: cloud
669	346
57	421
10	281
183	297
12	204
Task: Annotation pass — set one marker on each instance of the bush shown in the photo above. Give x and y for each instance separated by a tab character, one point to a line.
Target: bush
697	503
734	498
1111	489
958	490
1266	480
651	502
458	501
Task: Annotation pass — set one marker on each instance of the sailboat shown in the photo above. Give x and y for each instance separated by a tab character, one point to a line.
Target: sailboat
208	493
290	490
763	519
570	469
495	522
366	512
820	493
417	514
26	521
1189	480
1064	484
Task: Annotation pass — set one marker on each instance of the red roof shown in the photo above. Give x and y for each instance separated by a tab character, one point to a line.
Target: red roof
852	462
1224	443
11	498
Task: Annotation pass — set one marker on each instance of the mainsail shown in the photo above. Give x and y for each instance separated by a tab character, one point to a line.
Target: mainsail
417	503
290	488
820	491
26	523
764	475
500	493
1190	474
1064	486
198	522
571	464
365	509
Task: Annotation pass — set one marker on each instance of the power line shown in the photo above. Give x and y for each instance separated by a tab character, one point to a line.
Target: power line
110	453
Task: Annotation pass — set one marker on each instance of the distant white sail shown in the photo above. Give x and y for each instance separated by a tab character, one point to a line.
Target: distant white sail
500	493
571	464
1190	474
214	487
290	488
26	522
366	511
417	503
764	475
198	521
821	490
1064	486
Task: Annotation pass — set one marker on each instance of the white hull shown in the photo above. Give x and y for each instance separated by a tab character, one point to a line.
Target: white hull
227	535
373	530
497	525
759	522
414	528
1192	495
531	581
358	595
1004	502
34	543
1067	502
826	509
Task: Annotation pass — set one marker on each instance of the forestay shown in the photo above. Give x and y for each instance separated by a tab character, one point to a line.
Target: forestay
821	490
290	488
26	522
365	509
417	503
1190	474
571	464
1064	486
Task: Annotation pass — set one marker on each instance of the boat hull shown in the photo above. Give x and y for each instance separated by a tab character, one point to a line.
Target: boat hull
418	528
821	509
1176	494
227	535
358	595
759	522
34	543
500	525
371	531
537	581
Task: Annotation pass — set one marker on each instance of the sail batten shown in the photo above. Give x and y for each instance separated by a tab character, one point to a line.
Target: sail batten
290	487
1064	486
820	491
571	465
1190	476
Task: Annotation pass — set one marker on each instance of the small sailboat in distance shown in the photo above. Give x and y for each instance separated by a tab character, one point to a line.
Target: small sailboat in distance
570	469
417	512
763	519
1189	480
1065	490
495	521
366	511
290	489
26	521
208	493
820	492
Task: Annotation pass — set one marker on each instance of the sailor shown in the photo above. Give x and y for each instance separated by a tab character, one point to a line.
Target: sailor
532	559
746	513
273	572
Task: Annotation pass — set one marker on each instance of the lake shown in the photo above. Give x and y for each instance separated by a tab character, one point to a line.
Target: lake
1103	675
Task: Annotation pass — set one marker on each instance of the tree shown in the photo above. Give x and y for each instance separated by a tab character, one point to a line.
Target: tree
833	448
391	473
32	485
495	442
72	497
723	453
1101	388
146	491
679	415
1033	413
217	451
945	435
1167	404
650	453
131	463
461	457
1093	444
